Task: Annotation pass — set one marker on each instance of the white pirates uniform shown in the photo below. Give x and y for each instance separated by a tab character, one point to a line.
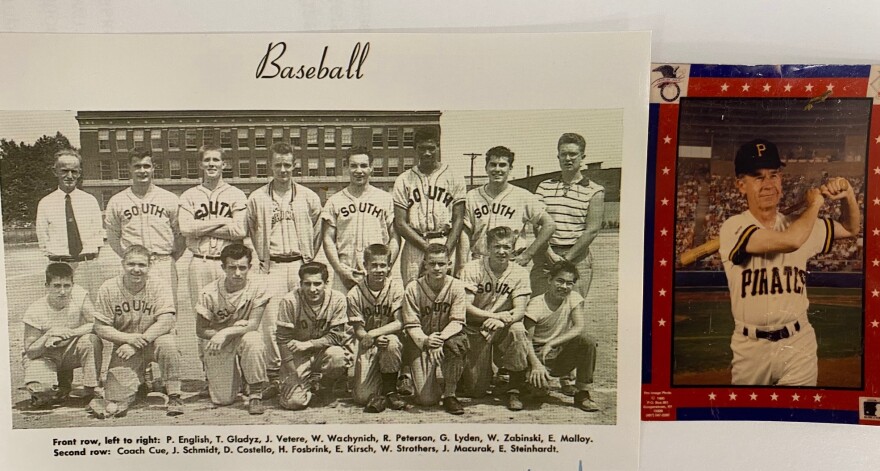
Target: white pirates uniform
200	204
494	294
150	221
373	310
222	309
359	222
428	201
325	328
773	342
514	208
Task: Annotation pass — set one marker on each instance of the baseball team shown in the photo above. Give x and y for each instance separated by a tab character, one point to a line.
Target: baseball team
273	323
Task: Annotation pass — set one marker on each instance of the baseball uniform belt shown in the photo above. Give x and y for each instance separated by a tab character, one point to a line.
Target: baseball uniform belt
286	258
206	257
774	335
435	234
68	259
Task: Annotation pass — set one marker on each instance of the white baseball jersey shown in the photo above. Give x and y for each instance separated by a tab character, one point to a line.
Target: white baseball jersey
495	293
433	310
150	221
307	323
42	316
768	290
359	222
514	207
373	309
132	312
222	309
550	324
203	204
428	199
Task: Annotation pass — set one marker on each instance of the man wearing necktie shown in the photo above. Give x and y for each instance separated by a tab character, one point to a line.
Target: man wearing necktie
69	223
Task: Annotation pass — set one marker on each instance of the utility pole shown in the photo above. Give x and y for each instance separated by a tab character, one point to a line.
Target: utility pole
472	155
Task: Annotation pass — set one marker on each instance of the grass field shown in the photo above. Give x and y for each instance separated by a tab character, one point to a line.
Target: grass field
703	326
25	279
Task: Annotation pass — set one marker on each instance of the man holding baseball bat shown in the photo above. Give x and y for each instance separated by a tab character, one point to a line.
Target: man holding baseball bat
765	256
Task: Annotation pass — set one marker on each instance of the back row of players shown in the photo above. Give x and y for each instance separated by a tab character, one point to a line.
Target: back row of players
291	330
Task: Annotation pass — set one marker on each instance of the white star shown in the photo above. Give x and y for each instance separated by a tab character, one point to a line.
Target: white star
795	397
766	87
665	202
877	169
712	396
875	323
830	87
667	139
732	396
877	140
665	170
774	397
662	292
876	232
753	396
746	87
787	87
724	87
663	232
875	262
662	262
817	397
875	293
662	322
809	87
876	201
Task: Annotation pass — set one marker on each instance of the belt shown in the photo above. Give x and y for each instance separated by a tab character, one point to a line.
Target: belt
286	258
435	234
68	259
774	335
206	257
158	256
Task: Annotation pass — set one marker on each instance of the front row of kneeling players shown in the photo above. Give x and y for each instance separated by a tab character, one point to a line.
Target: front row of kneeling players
438	321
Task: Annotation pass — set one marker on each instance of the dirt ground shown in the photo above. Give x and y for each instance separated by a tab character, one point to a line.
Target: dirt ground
24	279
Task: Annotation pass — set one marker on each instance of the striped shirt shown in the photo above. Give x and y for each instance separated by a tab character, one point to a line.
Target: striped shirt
569	205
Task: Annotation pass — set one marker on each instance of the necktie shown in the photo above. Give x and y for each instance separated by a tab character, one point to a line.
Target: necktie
74	243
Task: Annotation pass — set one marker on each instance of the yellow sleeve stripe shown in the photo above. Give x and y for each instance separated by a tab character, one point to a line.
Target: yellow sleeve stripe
829	235
742	241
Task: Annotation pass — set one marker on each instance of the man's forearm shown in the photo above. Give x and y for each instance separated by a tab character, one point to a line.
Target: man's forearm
850	217
162	326
579	250
451	329
387	329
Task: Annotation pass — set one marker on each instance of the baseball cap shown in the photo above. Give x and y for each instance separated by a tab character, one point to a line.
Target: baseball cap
755	155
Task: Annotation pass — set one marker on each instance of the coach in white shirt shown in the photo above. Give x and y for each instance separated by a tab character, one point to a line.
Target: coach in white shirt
69	223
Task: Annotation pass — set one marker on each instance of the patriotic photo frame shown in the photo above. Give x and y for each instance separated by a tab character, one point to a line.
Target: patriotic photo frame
827	121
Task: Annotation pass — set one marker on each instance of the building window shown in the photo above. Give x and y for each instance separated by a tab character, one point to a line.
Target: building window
407	163
104	140
262	168
139	138
207	137
379	167
329	138
192	168
242	138
296	138
393	166
191	139
106	170
297	169
277	135
121	140
244	169
312	138
158	169
393	138
156	139
409	137
330	167
174	169
174	139
346	138
260	138
226	138
378	142
122	170
313	167
227	171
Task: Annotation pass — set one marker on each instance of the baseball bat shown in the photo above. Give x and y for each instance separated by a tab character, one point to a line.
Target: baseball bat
711	246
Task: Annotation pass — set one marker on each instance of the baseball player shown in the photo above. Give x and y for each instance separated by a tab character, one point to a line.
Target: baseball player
283	222
230	310
433	317
59	337
498	203
311	332
136	313
146	215
428	205
374	306
765	258
70	225
354	218
556	322
497	294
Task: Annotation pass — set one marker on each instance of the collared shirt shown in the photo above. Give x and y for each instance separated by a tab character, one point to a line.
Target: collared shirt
199	203
52	222
514	207
359	222
495	293
429	199
569	205
150	221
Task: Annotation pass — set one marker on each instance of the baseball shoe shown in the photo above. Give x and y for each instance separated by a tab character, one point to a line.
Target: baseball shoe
405	386
175	405
583	402
452	405
513	402
204	392
376	404
271	391
394	401
568	388
255	406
